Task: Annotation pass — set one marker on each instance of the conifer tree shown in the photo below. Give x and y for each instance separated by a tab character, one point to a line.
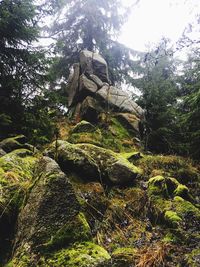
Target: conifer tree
92	25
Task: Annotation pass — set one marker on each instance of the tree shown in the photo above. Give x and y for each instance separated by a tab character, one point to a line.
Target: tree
190	104
20	63
92	25
159	92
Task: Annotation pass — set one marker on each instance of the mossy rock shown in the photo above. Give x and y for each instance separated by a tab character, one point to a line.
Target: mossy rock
94	163
171	165
167	187
16	177
21	162
12	143
114	168
83	127
94	137
125	256
185	208
51	217
79	255
172	218
72	158
82	255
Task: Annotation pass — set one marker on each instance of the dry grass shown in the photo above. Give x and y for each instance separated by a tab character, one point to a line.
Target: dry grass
154	256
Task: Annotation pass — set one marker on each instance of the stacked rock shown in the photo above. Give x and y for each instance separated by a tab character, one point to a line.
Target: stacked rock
90	93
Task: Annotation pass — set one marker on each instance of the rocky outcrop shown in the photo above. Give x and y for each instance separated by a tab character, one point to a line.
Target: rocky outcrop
90	92
94	163
52	230
51	215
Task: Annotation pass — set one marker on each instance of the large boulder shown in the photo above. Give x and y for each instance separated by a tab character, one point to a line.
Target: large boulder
114	168
94	163
73	82
86	87
93	63
119	100
130	121
13	143
83	127
51	217
96	79
73	159
90	109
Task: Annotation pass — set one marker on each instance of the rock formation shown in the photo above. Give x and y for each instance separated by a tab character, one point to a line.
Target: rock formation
90	92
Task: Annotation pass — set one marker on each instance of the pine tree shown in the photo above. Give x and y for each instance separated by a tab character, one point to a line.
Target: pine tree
21	64
159	92
190	104
92	25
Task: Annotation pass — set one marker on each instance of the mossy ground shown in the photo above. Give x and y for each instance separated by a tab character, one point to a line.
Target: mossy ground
79	255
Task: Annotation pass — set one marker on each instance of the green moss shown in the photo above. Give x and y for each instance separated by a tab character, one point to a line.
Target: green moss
184	208
170	165
161	185
78	230
167	187
193	258
172	218
16	174
22	167
182	191
170	238
84	137
124	256
117	137
120	130
82	255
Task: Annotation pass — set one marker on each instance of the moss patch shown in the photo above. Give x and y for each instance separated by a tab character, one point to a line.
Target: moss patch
94	138
124	256
79	255
76	230
172	218
193	259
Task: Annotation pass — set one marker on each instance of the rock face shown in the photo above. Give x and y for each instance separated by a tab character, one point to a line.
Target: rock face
95	163
90	92
93	63
52	203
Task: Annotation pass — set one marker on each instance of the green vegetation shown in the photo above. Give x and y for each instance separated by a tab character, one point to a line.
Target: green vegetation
81	195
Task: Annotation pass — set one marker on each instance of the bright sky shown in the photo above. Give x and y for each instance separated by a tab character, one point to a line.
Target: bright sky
150	20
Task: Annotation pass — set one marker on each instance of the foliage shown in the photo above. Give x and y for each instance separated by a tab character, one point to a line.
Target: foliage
159	91
92	25
21	64
190	103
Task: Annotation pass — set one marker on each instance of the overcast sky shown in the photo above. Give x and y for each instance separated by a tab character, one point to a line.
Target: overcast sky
150	20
